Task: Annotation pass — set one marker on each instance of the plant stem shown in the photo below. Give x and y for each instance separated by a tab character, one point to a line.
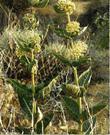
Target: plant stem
80	110
69	20
75	76
68	17
79	99
33	91
33	75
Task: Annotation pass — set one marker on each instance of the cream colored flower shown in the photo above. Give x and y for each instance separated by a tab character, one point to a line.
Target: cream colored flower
26	41
66	5
73	27
76	51
29	21
56	48
71	53
19	53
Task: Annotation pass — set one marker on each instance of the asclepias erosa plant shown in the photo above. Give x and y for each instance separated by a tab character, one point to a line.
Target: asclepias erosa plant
72	56
28	46
75	98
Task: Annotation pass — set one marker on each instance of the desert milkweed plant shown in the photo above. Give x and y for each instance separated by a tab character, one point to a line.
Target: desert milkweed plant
29	45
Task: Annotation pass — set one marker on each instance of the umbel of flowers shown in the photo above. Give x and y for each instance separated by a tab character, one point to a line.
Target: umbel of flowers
66	6
72	53
73	27
29	21
27	47
27	40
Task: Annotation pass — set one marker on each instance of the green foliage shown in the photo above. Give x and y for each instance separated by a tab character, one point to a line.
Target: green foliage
45	121
72	108
21	129
72	52
28	63
68	62
39	3
56	8
26	40
29	21
85	78
89	125
75	91
46	90
24	94
63	33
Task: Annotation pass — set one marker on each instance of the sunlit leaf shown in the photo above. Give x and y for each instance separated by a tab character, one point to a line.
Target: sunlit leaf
43	3
39	3
85	77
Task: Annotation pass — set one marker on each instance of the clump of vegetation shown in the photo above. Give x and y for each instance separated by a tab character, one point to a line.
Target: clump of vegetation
68	88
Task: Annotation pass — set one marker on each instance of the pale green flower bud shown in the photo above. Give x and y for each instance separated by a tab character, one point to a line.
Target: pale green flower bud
73	27
66	5
76	51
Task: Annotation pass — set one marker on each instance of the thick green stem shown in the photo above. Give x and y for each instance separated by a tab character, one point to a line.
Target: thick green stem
75	76
79	99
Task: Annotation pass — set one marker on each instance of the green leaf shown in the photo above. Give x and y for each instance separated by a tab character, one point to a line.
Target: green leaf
24	95
22	129
63	33
46	90
19	87
43	3
85	77
39	87
39	3
22	43
94	110
46	120
87	125
33	2
70	62
72	108
28	63
57	9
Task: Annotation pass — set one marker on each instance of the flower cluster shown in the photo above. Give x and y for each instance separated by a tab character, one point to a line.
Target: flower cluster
76	51
73	27
26	41
56	48
73	52
29	21
66	5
